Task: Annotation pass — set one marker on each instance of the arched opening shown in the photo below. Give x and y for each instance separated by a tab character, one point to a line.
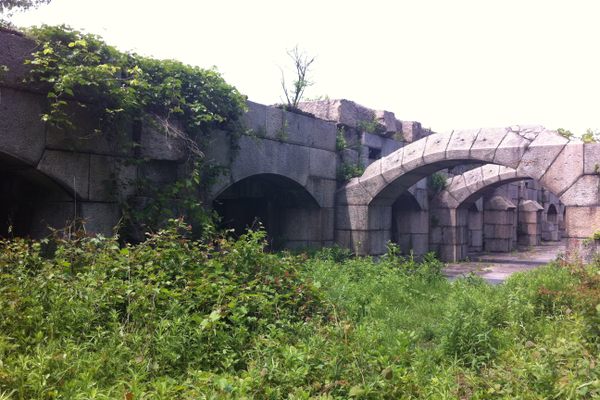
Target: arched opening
30	202
288	212
550	225
552	214
475	226
410	225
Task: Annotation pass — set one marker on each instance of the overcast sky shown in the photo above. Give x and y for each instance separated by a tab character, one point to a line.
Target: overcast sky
448	64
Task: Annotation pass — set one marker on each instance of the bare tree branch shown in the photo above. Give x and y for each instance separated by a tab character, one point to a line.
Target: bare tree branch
302	65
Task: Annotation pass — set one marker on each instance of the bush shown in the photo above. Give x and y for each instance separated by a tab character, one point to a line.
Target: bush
94	312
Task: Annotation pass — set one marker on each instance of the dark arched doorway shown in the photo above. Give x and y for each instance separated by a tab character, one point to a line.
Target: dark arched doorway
287	211
410	225
30	202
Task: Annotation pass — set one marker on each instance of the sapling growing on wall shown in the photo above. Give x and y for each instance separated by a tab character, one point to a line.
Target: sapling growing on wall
302	63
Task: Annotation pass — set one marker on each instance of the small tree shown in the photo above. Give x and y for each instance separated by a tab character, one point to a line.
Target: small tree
302	63
7	6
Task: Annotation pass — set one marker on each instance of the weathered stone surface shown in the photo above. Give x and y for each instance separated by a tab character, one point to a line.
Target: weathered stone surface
274	123
271	157
511	150
323	135
352	217
255	118
218	151
540	154
349	156
301	224
565	170
460	144
419	244
343	111
391	165
499	203
323	190
358	241
159	141
100	217
591	158
372	180
372	141
435	234
460	189
353	193
22	133
389	146
102	178
412	156
70	170
378	241
508	174
85	136
584	192
13	51
322	163
486	144
380	217
392	191
435	148
388	120
296	129
327	224
474	180
412	131
530	206
497	217
445	200
582	222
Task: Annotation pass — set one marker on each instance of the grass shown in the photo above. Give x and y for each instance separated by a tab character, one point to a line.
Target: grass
173	318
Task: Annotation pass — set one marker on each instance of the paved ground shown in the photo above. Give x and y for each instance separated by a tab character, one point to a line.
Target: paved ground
496	267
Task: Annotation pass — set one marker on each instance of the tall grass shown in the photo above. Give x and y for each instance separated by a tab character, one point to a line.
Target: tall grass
171	318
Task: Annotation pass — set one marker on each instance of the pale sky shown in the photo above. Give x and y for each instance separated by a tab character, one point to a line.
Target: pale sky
447	63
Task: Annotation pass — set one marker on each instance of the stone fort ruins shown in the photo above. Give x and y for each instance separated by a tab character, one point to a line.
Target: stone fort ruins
503	186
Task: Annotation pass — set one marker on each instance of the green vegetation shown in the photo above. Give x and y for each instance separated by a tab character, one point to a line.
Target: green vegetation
589	136
372	126
340	139
349	170
117	88
437	182
175	318
294	94
118	93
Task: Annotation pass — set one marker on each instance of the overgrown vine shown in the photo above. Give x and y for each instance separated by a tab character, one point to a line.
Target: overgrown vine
120	90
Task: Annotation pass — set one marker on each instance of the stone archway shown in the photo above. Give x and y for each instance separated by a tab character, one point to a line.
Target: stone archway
562	166
291	216
410	225
30	201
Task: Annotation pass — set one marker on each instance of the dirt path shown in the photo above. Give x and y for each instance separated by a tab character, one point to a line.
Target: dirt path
496	267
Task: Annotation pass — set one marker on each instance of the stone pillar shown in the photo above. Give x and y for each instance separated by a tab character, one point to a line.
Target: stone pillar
363	229
582	224
529	225
448	233
412	231
306	227
475	224
498	219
